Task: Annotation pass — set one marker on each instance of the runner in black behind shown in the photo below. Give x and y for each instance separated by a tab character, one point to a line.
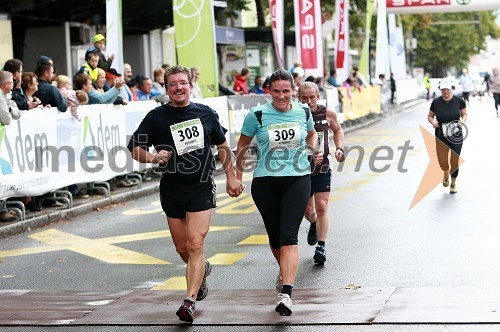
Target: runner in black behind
182	133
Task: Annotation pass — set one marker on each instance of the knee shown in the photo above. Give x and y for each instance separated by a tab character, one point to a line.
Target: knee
195	244
181	248
310	211
322	207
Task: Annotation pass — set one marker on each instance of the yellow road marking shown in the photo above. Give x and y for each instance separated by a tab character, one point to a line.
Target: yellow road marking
334	198
346	190
244	205
174	283
101	249
226	259
95	248
255	239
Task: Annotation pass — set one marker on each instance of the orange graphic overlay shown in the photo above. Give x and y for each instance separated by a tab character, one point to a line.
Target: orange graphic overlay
433	174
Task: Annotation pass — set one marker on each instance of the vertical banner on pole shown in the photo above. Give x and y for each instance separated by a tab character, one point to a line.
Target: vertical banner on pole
278	28
195	41
308	36
342	39
382	52
114	33
396	49
365	53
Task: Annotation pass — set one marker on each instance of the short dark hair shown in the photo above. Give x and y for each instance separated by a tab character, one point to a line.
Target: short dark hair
42	68
81	80
13	65
333	71
281	75
244	71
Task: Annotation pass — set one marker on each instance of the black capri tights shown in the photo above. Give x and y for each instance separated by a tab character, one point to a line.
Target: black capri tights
282	201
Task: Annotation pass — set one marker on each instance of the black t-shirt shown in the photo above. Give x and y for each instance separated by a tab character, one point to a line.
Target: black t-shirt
447	111
187	164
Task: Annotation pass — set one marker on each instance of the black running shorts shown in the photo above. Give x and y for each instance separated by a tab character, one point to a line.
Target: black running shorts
321	183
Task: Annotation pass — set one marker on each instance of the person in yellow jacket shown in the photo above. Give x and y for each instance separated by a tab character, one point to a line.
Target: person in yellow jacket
427	84
90	67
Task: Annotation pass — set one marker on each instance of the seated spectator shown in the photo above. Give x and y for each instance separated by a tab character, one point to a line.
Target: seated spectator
159	80
29	85
90	66
98	96
257	88
320	82
8	107
48	94
332	79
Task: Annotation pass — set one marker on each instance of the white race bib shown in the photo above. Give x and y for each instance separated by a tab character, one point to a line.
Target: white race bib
188	136
284	135
321	141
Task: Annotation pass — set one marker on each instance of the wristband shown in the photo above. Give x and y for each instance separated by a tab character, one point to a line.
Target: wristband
340	149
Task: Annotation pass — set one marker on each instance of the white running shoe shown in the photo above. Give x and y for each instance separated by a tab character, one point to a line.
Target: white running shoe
284	306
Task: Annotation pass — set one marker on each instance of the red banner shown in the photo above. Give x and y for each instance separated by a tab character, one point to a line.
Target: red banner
342	40
402	3
308	36
277	19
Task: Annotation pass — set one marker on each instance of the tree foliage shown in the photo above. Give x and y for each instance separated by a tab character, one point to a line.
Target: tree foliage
452	41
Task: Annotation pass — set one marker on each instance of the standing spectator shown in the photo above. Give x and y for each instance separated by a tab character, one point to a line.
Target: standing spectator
29	85
393	87
146	92
187	193
196	92
240	84
486	82
257	88
99	44
159	80
126	93
111	75
48	94
320	82
297	69
90	66
466	83
332	79
66	88
8	107
133	87
495	87
427	85
15	66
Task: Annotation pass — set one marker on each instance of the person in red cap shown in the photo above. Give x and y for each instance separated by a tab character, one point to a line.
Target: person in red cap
99	43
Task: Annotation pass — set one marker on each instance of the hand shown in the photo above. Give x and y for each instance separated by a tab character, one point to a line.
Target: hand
111	57
435	124
162	157
118	82
317	157
339	155
234	187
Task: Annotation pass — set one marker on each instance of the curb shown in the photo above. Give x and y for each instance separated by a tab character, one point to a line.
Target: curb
44	220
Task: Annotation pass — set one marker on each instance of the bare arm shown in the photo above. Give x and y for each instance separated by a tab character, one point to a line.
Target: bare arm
144	156
311	141
463	114
338	134
243	145
233	185
432	120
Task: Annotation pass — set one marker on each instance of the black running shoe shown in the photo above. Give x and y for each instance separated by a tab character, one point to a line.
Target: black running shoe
320	255
203	291
312	236
186	311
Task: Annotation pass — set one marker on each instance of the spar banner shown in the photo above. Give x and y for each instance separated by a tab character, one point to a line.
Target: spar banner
278	28
439	6
308	36
195	41
114	33
342	39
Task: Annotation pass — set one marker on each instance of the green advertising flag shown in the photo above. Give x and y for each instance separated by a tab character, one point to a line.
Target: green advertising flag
363	63
195	41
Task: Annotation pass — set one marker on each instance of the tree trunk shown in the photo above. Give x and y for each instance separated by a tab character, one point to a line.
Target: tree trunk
261	20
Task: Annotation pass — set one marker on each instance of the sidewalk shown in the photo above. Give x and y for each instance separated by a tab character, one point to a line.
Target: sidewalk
81	206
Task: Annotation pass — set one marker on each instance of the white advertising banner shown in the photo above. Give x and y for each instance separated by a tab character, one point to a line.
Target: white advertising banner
114	33
396	49
382	46
439	6
308	36
278	28
342	40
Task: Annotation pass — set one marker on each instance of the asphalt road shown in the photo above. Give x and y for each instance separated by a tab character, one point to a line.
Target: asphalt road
375	240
